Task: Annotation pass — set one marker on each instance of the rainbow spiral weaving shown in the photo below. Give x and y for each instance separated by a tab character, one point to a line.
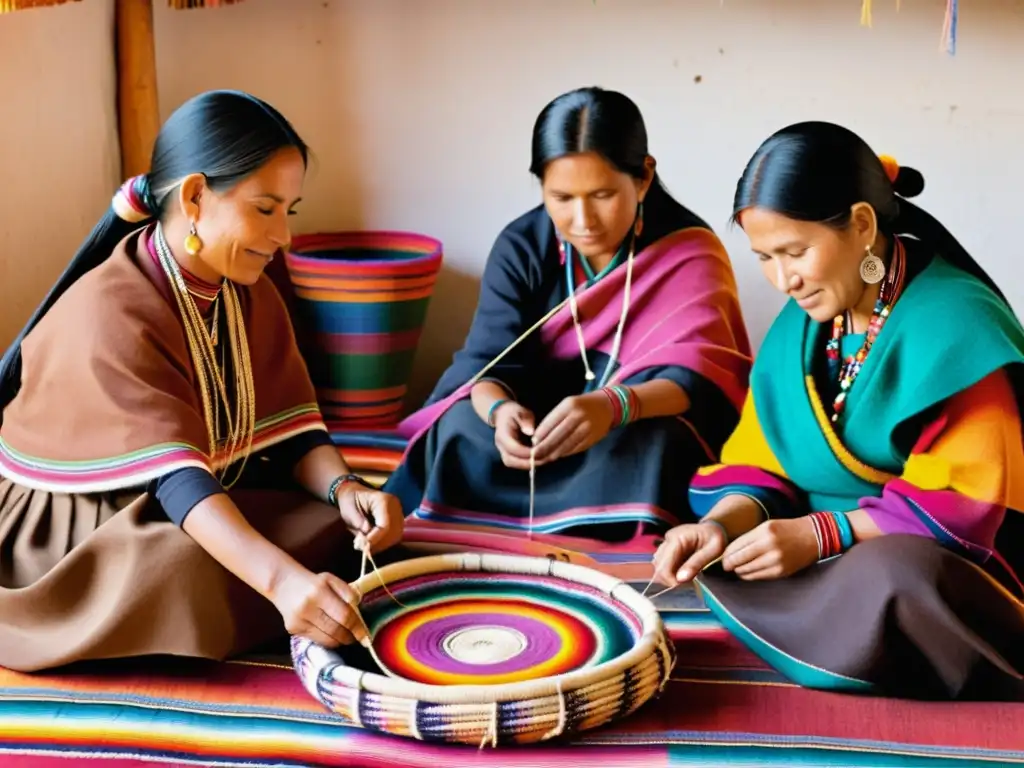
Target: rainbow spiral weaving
489	629
361	299
492	649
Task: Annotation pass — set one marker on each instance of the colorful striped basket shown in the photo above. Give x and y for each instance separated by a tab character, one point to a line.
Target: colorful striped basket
361	300
493	650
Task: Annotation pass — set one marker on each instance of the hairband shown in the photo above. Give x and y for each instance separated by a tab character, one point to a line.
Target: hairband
129	201
892	168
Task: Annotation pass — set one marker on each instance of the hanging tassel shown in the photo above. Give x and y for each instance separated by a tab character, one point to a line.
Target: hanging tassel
949	27
7	6
185	4
865	14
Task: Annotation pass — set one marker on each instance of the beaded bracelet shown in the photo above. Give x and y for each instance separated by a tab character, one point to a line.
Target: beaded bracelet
833	533
494	409
625	404
340	480
845	530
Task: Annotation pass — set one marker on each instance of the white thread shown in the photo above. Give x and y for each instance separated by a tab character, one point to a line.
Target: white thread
522	337
413	729
559	728
659	594
533	488
492	730
616	346
589	375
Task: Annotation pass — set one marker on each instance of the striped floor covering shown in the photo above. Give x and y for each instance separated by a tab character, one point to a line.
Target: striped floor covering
723	707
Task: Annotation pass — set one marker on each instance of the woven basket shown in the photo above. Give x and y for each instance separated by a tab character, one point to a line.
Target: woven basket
517	712
360	301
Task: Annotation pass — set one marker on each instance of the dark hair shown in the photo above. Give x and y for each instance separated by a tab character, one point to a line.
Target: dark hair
609	124
591	120
224	135
817	171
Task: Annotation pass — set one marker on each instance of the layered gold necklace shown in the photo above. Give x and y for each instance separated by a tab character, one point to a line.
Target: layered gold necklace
230	437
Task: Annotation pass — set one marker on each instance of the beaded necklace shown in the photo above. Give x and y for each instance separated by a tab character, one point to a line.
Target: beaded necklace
567	252
887	296
240	425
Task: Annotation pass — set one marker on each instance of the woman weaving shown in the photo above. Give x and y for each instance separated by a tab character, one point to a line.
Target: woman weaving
608	352
866	512
152	393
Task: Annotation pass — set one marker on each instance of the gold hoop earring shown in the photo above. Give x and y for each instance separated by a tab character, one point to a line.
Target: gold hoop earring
638	224
872	268
193	245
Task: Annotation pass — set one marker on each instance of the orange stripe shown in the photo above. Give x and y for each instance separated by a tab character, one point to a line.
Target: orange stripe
358	459
376	297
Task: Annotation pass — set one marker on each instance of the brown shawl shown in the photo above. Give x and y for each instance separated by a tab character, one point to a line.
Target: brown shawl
109	398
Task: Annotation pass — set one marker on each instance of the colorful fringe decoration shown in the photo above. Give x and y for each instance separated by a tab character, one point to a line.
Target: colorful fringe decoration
360	301
7	6
949	27
182	5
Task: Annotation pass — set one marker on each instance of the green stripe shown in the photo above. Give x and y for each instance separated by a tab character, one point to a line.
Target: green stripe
364	371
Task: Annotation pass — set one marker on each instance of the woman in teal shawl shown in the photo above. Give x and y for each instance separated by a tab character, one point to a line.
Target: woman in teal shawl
863	529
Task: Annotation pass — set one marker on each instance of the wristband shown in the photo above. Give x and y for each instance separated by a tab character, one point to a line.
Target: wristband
340	480
494	409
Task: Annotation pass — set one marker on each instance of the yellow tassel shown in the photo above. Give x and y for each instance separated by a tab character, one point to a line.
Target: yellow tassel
865	14
7	6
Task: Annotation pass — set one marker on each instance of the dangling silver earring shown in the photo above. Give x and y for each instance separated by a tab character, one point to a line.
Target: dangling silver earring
872	268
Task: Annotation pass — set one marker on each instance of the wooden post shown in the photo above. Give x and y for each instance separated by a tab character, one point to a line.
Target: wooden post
137	104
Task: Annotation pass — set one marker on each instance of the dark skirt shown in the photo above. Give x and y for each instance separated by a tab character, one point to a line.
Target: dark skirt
634	478
96	576
898	616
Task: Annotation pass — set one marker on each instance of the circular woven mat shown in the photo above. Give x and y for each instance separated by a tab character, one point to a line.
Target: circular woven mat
488	649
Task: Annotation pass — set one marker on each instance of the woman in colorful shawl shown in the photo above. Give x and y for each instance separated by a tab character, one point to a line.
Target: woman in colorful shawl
863	530
166	480
607	351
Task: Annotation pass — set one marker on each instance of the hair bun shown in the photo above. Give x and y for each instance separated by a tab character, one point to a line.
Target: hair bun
909	182
133	202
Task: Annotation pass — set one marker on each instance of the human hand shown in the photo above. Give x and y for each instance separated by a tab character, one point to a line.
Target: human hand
513	422
373	516
573	426
773	550
318	606
686	551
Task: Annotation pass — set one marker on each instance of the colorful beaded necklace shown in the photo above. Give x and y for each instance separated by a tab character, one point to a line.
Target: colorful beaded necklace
887	296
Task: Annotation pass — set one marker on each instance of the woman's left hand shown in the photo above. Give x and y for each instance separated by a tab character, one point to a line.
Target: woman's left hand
373	516
773	550
573	426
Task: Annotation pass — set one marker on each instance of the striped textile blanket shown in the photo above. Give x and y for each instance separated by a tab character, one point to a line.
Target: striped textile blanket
722	707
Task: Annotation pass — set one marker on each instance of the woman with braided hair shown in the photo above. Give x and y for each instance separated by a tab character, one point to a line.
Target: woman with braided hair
166	479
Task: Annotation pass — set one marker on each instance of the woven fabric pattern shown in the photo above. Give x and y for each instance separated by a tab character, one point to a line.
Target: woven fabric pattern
361	299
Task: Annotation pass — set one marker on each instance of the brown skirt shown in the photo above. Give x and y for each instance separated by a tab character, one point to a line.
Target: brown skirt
96	576
898	615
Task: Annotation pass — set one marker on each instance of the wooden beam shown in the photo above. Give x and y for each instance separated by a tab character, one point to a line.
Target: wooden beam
137	104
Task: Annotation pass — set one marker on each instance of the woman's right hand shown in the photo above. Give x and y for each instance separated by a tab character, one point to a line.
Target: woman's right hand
513	422
686	551
320	607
